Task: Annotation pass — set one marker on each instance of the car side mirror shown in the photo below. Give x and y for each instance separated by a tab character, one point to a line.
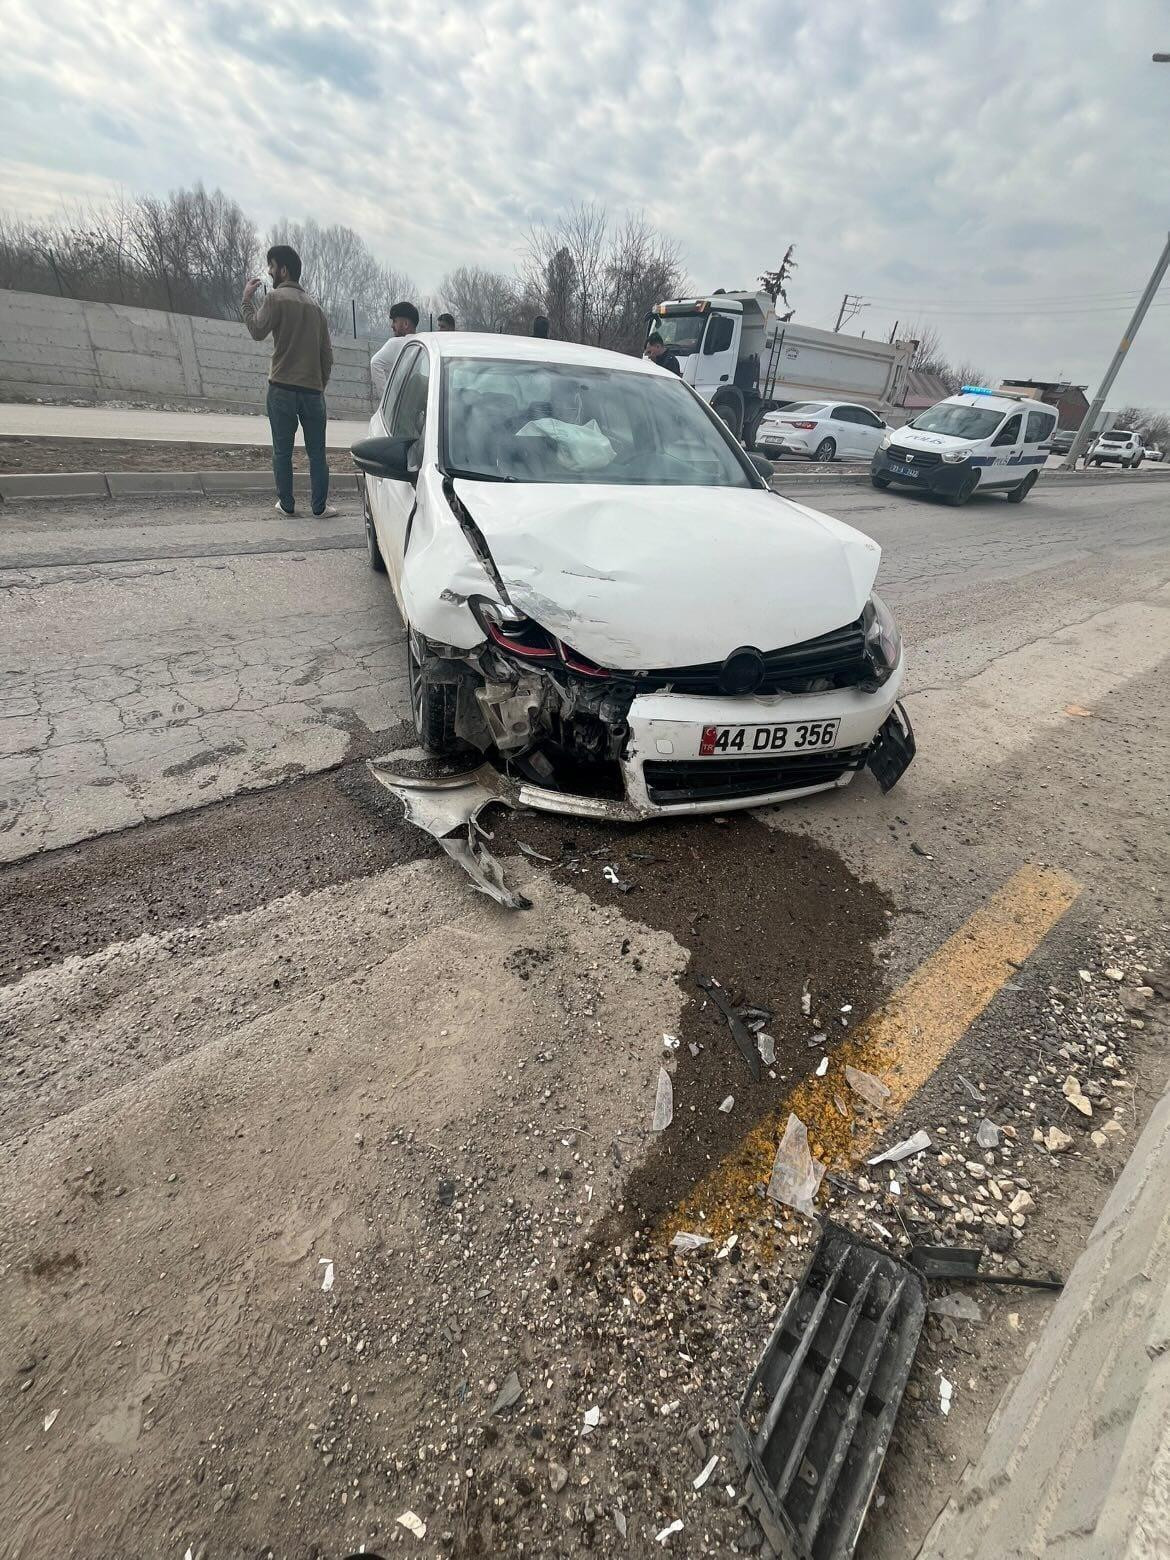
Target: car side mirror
763	466
385	457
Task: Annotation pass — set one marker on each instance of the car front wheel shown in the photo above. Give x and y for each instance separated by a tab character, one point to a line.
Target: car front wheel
432	704
878	480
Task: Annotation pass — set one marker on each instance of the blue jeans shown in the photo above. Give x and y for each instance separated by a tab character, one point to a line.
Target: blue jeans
286	408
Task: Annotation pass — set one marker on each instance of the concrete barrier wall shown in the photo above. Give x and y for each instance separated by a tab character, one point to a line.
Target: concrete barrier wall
63	349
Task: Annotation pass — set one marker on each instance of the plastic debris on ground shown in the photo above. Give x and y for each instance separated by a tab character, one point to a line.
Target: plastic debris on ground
962	1263
701	1479
796	1175
592	1419
533	855
685	1241
412	1523
945	1392
974	1093
902	1150
670	1042
872	1090
447	807
327	1276
822	1066
960	1308
819	1410
611	876
668	1532
727	1105
663	1102
740	1033
987	1134
508	1395
727	1247
806	998
766	1046
51	1419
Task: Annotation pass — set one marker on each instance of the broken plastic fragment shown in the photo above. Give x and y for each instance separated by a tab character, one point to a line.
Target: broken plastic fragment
728	1105
327	1277
668	1532
822	1066
971	1089
796	1175
685	1241
670	1042
960	1308
534	854
806	998
872	1090
51	1418
701	1478
987	1134
766	1046
592	1419
945	1392
902	1150
509	1394
727	1247
663	1102
413	1524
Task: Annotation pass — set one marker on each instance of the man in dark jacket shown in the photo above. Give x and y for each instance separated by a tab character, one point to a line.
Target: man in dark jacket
658	352
302	360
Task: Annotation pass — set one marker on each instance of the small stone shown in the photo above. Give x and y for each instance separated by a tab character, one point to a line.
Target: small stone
697	1443
975	1170
1014	1320
1021	1203
1113	1127
558	1477
1056	1141
1099	1139
1115	974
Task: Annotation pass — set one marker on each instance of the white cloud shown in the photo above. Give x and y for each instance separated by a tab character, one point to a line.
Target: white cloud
959	157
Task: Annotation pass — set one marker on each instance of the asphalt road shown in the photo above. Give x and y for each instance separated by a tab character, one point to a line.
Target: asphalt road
251	1023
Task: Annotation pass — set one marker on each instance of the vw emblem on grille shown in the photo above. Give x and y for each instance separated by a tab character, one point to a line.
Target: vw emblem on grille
742	672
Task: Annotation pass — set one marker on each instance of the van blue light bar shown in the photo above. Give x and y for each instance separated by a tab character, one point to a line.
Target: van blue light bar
977	390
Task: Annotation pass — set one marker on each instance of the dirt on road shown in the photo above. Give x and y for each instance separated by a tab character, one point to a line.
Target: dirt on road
18	455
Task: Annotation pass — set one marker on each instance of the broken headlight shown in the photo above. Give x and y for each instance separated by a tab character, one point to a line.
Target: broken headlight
883	642
515	634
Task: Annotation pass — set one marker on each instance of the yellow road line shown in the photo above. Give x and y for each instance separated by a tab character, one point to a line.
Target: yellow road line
903	1044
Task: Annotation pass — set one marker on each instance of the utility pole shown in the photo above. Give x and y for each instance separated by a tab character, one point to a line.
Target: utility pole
851	303
1084	432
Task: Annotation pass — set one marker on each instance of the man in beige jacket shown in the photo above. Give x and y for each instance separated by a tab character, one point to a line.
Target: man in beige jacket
302	358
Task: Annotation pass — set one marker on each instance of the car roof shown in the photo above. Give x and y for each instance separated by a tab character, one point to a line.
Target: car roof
999	403
445	344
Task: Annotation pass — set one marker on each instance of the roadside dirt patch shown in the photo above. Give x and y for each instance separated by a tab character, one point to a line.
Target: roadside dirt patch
44	455
197	866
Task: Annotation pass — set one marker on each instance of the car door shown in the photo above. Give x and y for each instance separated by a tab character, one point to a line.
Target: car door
1007	450
404	417
838	424
1038	432
870	431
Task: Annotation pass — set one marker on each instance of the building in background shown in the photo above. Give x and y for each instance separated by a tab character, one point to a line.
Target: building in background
1070	401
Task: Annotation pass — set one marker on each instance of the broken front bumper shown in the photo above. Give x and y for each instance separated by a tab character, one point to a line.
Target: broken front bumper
663	774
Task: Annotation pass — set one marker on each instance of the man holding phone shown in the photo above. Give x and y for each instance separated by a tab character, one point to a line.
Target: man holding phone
302	359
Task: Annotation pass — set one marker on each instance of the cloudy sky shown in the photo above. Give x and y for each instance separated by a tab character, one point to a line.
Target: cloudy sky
997	167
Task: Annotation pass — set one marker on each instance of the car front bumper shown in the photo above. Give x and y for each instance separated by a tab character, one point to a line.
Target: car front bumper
944	478
664	775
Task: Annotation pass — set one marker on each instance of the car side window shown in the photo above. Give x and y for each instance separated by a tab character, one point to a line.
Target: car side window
410	414
867	419
1039	428
842	414
398	373
1010	432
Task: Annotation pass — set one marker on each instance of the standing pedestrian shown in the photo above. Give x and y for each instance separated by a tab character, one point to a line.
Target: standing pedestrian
302	359
540	327
658	352
446	322
403	323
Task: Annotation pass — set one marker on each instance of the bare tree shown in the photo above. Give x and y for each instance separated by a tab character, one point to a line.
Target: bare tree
480	299
1133	417
577	240
641	268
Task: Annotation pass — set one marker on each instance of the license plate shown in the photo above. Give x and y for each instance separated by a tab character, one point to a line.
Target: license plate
792	737
903	471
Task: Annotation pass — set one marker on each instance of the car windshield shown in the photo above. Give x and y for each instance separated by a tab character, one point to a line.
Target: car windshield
511	421
682	333
962	422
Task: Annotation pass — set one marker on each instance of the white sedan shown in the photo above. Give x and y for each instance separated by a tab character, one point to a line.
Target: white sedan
603	595
822	430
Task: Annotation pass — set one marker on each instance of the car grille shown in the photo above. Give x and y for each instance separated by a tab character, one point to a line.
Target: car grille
921	458
673	783
834	660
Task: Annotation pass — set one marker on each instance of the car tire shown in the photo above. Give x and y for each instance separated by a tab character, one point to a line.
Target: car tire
825	450
878	480
432	705
959	498
1019	493
373	548
729	411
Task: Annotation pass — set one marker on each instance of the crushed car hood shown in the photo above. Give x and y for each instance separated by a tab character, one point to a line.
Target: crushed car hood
650	578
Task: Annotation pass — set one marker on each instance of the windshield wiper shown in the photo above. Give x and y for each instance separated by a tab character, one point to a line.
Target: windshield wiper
478	476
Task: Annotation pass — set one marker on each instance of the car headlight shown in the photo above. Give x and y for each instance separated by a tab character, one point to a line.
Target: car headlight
887	441
956	457
883	641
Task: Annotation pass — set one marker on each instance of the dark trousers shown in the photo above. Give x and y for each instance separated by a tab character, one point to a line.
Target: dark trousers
286	408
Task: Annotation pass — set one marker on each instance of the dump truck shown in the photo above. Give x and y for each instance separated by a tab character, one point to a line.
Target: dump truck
745	361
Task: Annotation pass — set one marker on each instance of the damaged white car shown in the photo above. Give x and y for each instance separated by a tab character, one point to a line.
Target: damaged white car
603	595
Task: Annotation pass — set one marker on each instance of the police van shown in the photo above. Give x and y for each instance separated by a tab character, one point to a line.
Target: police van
976	440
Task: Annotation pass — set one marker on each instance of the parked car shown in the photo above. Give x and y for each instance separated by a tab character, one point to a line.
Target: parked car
822	430
1062	441
979	439
1152	452
602	592
1117	444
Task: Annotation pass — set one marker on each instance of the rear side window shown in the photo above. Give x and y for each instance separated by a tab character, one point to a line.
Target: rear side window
1039	428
